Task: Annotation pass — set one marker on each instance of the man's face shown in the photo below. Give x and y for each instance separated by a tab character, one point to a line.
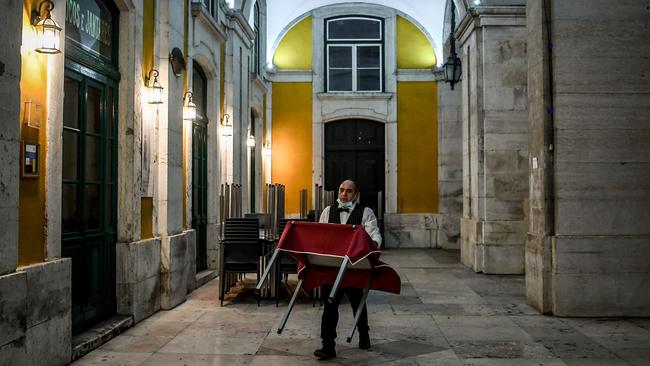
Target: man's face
347	191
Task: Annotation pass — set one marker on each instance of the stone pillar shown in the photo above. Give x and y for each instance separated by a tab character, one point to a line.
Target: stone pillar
177	259
13	285
495	143
590	218
10	37
450	165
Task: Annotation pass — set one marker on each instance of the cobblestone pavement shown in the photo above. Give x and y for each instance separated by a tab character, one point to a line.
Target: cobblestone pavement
446	315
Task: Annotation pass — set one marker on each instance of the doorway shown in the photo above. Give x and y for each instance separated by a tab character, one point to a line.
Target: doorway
200	167
354	149
89	192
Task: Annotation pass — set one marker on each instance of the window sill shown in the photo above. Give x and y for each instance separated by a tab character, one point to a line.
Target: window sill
355	96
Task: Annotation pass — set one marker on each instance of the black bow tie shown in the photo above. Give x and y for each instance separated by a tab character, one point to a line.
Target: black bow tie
343	209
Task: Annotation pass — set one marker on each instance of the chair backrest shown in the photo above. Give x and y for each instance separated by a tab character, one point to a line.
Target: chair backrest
241	240
283	223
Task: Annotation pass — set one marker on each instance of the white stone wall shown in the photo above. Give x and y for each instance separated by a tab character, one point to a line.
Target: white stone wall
495	141
596	205
450	165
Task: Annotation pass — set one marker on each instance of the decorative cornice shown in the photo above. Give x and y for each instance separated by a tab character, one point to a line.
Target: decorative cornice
291	76
199	11
357	96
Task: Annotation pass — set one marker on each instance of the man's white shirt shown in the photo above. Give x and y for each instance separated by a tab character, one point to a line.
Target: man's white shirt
368	220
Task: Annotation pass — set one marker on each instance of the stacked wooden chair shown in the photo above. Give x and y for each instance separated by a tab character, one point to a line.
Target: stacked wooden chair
242	250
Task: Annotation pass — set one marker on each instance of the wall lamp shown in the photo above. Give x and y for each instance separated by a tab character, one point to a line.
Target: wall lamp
155	89
251	141
49	32
226	125
266	149
452	66
189	108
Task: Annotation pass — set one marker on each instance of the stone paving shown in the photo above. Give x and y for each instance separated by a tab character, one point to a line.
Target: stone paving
446	315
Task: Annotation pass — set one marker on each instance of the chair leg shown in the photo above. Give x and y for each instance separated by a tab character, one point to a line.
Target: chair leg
223	286
277	285
258	292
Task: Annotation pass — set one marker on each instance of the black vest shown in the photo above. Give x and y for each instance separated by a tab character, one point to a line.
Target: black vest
354	219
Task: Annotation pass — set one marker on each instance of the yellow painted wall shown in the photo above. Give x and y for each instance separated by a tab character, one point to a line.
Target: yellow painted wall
292	140
148	35
294	50
417	147
33	82
146	218
414	51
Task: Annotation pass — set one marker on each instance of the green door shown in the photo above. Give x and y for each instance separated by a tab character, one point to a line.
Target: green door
88	207
200	166
200	192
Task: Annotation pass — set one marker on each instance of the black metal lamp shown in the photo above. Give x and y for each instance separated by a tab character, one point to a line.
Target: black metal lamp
452	67
452	70
48	30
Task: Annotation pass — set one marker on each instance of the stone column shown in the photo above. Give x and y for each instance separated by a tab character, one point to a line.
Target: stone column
590	217
495	142
13	285
450	164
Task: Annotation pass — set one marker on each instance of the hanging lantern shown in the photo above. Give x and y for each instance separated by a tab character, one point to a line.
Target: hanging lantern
155	89
226	126
251	141
189	108
48	31
452	70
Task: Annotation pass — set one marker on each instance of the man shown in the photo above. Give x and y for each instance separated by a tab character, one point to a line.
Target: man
349	211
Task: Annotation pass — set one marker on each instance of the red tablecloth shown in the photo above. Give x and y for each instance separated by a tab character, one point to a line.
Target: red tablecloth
320	248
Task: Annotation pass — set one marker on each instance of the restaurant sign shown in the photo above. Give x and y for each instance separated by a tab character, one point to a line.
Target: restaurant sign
89	24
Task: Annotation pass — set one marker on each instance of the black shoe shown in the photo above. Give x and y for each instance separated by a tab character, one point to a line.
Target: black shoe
364	340
325	353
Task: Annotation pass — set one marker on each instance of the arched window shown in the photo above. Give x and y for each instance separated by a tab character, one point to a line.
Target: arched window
199	91
354	54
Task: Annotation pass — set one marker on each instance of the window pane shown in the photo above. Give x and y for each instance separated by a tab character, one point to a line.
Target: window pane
340	80
71	103
70	154
368	80
109	206
92	158
93	204
109	160
93	122
69	213
354	29
368	56
110	112
340	56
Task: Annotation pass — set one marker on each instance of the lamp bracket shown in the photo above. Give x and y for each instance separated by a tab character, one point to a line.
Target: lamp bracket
36	14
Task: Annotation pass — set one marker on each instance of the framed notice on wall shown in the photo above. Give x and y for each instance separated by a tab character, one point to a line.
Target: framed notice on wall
29	160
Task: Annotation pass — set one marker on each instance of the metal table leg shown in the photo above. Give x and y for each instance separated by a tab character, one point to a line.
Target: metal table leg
268	269
362	305
290	307
339	277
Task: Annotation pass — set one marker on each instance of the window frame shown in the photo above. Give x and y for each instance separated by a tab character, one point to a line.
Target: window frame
354	44
355	67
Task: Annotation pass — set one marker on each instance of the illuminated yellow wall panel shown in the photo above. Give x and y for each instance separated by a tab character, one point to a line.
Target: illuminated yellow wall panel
417	147
292	135
414	51
32	197
294	50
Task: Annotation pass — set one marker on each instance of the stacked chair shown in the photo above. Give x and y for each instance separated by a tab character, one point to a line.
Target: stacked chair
285	264
242	250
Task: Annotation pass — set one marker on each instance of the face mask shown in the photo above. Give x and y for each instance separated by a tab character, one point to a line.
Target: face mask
345	204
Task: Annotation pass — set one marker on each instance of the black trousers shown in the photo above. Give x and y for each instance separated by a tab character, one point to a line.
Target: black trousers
331	312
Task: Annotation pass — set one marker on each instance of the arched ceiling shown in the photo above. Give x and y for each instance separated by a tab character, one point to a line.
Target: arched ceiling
428	13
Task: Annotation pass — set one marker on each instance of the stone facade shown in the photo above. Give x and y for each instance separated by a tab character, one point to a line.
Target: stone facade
495	142
589	194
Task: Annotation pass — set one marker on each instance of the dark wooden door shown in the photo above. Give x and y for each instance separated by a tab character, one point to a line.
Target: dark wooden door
354	149
88	204
200	192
